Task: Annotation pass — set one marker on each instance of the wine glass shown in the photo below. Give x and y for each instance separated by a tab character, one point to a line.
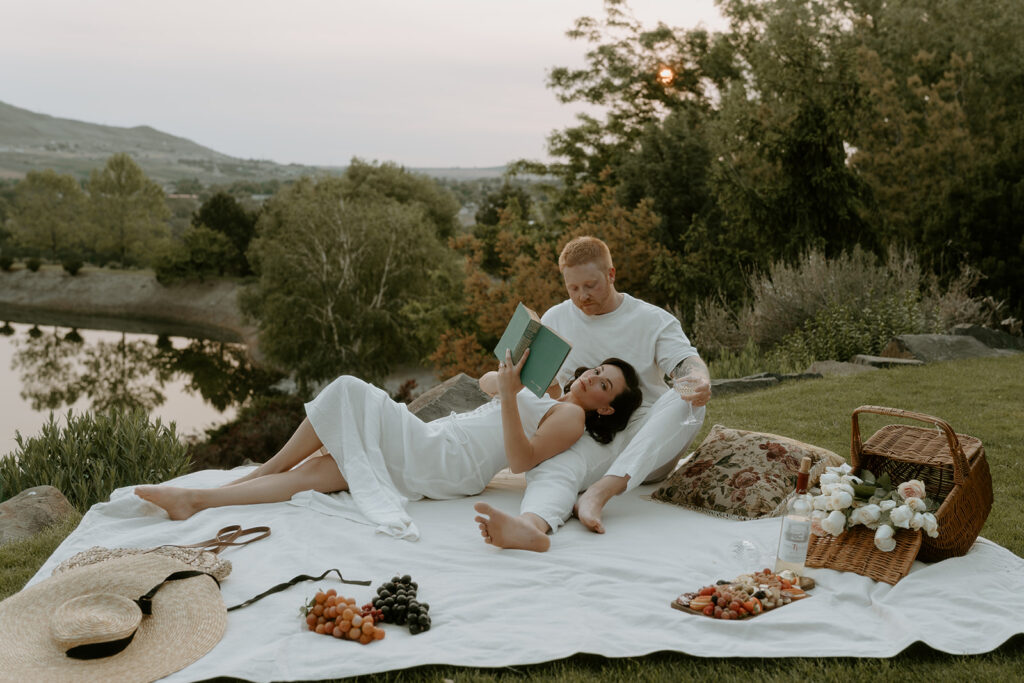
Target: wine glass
687	388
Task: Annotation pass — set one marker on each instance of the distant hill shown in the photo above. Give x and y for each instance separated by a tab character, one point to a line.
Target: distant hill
31	141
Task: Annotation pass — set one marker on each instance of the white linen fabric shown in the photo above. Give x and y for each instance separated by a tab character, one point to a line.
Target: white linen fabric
494	608
389	456
647	337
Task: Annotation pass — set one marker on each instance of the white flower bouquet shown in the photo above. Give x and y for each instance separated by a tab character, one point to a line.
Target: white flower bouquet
844	500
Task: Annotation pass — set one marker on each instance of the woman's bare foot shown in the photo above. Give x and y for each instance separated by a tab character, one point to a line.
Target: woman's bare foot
505	531
179	503
590	504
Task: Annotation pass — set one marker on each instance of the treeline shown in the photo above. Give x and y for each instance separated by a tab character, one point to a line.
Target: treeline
736	174
120	217
817	176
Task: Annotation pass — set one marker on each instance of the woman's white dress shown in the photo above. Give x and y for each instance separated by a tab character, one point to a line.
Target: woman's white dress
389	456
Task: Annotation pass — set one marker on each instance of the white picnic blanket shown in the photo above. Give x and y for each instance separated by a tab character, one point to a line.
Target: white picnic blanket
603	594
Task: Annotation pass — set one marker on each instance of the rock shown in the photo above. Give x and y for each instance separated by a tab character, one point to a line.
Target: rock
835	367
994	339
724	387
786	377
31	511
883	362
458	394
931	348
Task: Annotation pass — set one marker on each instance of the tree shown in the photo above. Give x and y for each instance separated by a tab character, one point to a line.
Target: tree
128	210
494	203
48	213
375	182
222	213
336	278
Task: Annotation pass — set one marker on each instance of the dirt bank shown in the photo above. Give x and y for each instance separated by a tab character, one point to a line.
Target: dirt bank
129	300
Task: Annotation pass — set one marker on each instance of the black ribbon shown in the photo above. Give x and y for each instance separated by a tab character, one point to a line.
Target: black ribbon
98	650
301	577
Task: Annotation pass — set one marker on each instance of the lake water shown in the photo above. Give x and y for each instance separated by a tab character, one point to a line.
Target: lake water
195	383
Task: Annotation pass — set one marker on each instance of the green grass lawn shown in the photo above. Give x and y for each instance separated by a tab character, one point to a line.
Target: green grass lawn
982	398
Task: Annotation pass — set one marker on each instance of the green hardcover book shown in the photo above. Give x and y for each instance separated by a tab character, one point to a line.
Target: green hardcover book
547	349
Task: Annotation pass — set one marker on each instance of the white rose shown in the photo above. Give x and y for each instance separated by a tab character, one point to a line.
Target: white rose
901	516
850	479
915	504
917	521
866	514
842	469
911	489
887	505
835	523
841	500
828	478
930	524
884	540
820	502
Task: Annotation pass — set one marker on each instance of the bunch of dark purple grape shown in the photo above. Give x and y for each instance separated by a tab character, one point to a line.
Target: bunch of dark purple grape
396	600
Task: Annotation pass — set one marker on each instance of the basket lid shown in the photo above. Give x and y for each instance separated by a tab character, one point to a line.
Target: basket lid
918	445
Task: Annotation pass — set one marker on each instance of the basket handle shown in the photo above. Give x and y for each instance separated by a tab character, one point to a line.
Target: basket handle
960	468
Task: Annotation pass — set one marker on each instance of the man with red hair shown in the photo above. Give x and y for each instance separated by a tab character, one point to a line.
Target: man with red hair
600	322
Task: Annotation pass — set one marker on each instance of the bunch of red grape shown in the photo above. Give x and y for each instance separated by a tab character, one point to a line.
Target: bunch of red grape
338	616
397	603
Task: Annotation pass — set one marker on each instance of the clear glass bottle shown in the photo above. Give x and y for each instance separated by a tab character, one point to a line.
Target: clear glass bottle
796	525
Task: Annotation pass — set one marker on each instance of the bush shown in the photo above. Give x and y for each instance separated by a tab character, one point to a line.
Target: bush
203	252
33	264
259	431
72	265
6	262
93	454
820	308
841	330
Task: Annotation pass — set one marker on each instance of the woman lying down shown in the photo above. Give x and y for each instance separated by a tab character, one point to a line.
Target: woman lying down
356	438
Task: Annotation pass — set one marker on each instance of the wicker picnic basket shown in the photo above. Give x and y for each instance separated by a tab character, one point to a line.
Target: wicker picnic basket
953	468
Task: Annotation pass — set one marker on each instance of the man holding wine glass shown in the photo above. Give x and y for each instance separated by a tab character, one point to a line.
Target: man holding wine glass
597	319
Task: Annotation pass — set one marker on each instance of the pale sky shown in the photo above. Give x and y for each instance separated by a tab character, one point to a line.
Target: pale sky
418	82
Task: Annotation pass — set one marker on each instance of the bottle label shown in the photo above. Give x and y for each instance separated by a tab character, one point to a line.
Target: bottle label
796	533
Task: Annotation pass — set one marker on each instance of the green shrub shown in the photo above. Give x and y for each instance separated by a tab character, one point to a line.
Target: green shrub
33	264
92	454
203	252
750	360
6	262
841	330
72	265
259	431
820	309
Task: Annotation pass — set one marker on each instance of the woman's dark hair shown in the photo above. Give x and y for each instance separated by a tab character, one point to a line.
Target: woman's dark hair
603	428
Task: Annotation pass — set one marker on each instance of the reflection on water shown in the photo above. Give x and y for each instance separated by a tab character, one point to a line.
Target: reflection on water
92	370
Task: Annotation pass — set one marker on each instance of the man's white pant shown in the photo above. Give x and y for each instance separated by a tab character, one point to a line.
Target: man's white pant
651	440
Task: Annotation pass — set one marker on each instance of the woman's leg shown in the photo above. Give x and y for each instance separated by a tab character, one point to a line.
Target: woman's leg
302	444
319	473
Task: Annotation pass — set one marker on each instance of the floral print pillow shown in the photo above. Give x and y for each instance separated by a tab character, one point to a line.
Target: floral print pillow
742	475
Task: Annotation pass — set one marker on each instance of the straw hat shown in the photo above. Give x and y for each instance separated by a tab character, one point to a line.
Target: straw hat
91	610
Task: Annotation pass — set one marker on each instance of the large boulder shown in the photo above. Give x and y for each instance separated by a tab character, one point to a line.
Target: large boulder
31	511
932	348
459	394
994	339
